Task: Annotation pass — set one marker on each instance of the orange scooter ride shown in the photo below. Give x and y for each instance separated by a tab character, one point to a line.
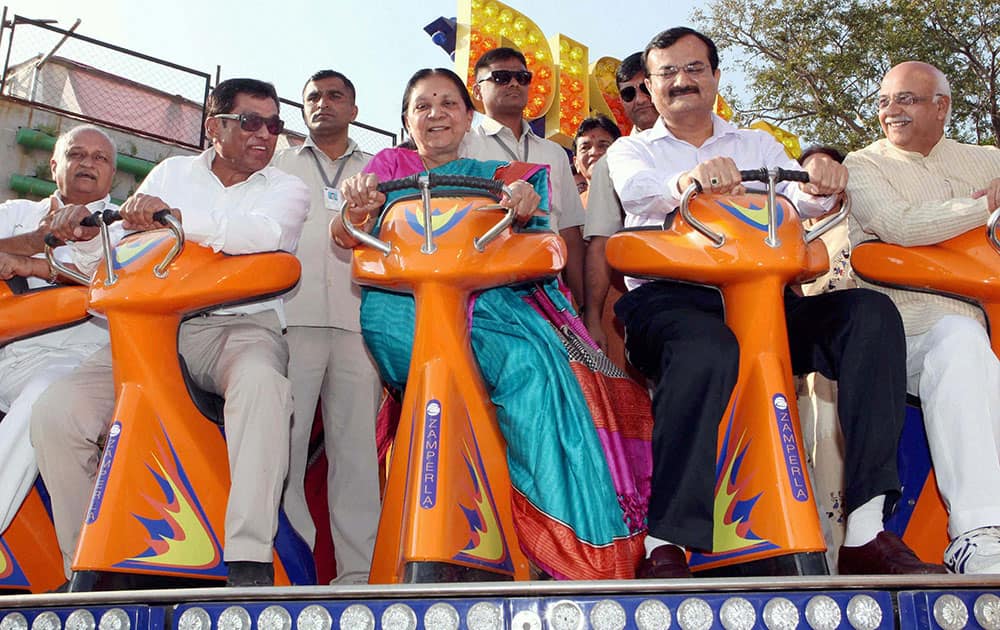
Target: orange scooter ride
159	501
966	267
446	513
751	247
29	555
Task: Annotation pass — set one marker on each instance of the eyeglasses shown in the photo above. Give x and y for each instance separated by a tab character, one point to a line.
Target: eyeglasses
904	99
252	122
503	77
692	69
628	93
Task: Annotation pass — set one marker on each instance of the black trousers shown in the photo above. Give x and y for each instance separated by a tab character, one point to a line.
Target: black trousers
676	335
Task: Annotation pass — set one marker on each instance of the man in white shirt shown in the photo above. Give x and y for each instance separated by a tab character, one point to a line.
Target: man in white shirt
604	211
676	333
83	165
502	84
230	200
917	187
328	361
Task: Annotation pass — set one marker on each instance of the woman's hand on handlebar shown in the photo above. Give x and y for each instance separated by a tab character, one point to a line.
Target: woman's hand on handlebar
827	176
138	210
716	175
362	197
523	200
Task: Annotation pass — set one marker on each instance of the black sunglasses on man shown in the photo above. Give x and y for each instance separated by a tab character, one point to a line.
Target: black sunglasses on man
252	122
503	77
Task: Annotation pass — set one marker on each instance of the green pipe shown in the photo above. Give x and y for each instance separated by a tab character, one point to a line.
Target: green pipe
38	187
34	139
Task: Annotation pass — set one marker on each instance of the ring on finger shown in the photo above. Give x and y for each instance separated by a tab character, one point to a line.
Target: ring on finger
714	181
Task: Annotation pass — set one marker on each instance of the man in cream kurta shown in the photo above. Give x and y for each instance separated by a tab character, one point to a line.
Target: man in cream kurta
917	187
328	361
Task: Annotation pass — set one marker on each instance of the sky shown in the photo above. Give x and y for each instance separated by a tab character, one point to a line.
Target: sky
377	43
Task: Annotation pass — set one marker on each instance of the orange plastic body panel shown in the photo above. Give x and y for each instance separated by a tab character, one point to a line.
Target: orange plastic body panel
37	312
965	267
159	501
763	503
449	459
29	554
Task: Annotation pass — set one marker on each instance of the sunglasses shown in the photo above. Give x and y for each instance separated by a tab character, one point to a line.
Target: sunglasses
503	77
252	122
628	92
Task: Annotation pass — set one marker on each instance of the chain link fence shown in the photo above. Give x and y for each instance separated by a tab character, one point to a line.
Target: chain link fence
72	74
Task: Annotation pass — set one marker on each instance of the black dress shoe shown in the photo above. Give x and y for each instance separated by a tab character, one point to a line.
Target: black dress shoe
886	555
666	562
243	573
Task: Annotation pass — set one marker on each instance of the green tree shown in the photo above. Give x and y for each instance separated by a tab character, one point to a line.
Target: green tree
813	67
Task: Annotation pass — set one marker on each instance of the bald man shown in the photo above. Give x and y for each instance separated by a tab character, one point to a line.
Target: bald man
917	187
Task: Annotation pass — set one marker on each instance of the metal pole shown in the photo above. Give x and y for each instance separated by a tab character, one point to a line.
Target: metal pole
41	62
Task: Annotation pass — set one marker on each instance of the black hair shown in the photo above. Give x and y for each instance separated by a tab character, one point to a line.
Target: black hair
629	67
498	54
332	74
834	153
223	97
669	37
420	75
600	121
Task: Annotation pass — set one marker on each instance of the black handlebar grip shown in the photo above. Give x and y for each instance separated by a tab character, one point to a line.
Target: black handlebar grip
781	175
112	216
93	220
399	184
160	216
793	176
433	179
467	181
51	240
754	175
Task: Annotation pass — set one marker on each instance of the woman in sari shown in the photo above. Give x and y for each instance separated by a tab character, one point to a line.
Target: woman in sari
568	515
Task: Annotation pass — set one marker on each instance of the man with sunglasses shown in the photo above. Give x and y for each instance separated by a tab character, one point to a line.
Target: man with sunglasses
917	187
502	85
677	335
328	362
229	199
604	211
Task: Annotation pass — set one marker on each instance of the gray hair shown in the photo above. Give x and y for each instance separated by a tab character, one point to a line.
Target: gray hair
65	138
943	88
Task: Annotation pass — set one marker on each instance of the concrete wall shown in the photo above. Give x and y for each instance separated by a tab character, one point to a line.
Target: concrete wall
16	159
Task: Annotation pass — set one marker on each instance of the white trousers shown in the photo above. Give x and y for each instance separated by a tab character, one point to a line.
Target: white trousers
953	370
17	458
332	366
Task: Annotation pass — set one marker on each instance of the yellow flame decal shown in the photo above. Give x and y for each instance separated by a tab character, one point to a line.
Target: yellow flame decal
192	547
4	562
757	215
490	547
725	534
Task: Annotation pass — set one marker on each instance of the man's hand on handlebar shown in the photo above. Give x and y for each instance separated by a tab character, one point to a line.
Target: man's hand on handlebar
64	224
138	210
362	197
717	175
826	176
523	200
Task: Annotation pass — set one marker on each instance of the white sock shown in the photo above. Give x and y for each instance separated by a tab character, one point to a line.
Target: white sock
865	522
652	543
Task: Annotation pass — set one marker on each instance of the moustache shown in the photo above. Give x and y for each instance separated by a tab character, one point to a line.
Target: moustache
687	89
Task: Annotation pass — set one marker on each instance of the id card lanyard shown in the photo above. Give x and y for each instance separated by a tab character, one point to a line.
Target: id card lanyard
508	151
331	195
